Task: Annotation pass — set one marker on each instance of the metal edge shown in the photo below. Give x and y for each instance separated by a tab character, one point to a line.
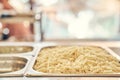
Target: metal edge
32	73
18	73
112	52
24	53
41	45
30	69
115	50
73	75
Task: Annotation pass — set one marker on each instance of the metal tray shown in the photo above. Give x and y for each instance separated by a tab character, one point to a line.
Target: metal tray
116	50
31	72
13	65
17	49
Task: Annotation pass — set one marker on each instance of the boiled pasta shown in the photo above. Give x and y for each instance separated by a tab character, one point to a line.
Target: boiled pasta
76	60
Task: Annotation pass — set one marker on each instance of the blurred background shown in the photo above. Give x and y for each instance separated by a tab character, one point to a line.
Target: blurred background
57	20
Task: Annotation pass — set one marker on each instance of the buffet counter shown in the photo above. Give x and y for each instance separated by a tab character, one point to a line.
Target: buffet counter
17	61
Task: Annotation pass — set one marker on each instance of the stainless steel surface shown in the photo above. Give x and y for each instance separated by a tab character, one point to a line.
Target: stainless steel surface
60	78
31	72
15	49
13	65
116	50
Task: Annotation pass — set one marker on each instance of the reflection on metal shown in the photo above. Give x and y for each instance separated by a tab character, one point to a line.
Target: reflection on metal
37	27
11	64
15	49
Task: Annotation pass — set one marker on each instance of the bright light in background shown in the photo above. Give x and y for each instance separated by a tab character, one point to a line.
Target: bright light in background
86	16
67	18
6	31
26	24
37	16
17	5
1	25
47	2
20	5
90	3
112	6
101	32
0	29
80	27
1	6
25	1
104	7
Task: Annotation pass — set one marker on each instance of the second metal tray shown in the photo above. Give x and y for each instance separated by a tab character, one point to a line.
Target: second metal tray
17	49
13	65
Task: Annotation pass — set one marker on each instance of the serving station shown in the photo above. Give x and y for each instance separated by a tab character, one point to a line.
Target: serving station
20	64
59	39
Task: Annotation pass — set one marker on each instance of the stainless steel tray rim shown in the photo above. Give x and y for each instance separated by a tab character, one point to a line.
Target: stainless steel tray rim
31	72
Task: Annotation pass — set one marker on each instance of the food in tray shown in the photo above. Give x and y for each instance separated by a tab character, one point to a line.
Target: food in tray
15	49
11	64
76	60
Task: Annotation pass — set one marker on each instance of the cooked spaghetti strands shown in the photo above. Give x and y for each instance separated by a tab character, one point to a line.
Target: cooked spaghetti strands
76	60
